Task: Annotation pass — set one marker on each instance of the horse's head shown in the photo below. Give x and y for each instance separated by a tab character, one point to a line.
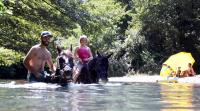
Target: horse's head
101	66
65	65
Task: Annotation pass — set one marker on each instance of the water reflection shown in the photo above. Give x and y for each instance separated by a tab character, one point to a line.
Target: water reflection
75	100
109	97
84	98
177	97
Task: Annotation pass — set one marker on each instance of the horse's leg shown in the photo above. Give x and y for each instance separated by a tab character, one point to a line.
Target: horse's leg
75	74
78	69
86	75
63	79
76	78
79	79
82	77
92	76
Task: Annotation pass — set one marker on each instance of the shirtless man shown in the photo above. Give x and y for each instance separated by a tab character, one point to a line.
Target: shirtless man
189	72
37	57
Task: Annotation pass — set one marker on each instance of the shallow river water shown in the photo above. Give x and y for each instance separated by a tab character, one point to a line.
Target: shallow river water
100	97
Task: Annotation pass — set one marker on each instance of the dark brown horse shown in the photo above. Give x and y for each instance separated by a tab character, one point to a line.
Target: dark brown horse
95	70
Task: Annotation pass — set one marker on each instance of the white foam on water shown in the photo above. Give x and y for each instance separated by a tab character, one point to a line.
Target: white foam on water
154	78
136	78
36	85
113	81
195	80
113	84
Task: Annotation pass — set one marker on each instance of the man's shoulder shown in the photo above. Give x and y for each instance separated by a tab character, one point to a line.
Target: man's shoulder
36	46
48	52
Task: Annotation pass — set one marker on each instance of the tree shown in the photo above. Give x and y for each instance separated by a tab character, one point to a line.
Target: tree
167	27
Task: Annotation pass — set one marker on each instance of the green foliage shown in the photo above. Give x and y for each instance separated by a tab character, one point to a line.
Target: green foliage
2	8
105	38
117	68
9	57
106	13
166	27
141	34
170	27
67	20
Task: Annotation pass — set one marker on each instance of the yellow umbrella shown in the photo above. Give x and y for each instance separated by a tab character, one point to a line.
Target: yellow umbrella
165	71
181	59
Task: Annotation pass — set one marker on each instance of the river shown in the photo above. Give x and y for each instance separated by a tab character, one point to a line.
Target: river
135	96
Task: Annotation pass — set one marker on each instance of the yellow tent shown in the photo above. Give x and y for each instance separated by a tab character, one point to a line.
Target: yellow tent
181	59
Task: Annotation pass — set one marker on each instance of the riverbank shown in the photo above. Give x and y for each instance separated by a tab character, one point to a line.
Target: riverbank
153	78
125	79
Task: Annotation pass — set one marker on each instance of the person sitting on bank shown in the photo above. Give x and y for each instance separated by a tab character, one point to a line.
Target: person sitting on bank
189	72
37	57
83	55
178	72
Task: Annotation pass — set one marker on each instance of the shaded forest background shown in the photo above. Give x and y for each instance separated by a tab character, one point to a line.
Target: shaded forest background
141	34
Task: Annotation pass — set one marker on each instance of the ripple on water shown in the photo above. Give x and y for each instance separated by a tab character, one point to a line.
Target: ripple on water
102	97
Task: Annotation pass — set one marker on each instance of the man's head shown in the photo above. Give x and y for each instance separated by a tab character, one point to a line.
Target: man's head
45	38
189	65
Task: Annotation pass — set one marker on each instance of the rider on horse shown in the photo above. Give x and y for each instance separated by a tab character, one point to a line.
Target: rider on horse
82	55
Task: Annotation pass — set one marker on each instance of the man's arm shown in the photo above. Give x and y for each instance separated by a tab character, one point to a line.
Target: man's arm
192	71
50	64
27	59
76	57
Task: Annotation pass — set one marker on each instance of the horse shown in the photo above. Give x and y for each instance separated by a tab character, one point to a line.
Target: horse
94	70
64	67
